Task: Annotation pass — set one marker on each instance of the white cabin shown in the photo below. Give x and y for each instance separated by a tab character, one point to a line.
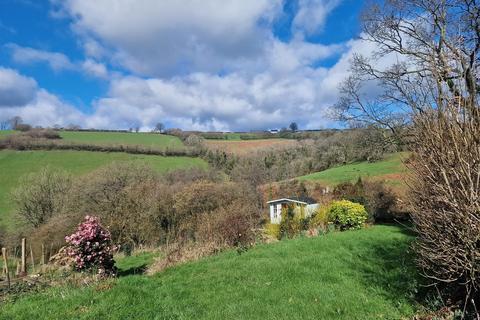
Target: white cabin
276	206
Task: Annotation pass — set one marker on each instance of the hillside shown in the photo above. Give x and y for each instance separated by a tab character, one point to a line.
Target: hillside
14	164
362	274
391	170
124	138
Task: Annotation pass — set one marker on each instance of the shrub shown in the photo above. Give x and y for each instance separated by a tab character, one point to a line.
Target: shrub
379	200
91	247
23	127
347	215
273	230
42	133
194	141
41	195
232	225
319	218
293	222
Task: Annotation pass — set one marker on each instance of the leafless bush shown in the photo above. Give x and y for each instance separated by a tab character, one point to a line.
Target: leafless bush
42	134
194	141
445	192
41	195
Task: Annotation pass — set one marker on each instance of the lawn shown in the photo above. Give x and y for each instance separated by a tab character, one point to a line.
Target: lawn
365	274
124	138
13	164
391	169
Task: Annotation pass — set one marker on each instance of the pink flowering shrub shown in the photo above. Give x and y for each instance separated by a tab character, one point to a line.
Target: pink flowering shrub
91	247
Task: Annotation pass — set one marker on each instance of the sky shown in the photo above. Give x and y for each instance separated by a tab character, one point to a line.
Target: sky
213	65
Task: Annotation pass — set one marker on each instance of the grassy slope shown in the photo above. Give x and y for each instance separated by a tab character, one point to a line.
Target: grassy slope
145	139
13	164
4	133
390	169
351	275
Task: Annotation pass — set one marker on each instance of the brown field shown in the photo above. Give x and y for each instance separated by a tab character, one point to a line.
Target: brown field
243	147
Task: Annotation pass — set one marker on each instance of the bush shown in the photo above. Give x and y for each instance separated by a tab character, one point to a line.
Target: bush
232	225
42	133
319	218
379	200
91	247
194	141
23	127
293	222
41	195
347	215
273	230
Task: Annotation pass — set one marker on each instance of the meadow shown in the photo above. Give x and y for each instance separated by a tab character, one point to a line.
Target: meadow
4	133
365	274
124	138
14	164
391	170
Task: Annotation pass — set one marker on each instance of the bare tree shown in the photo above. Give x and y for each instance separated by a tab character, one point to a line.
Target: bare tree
15	121
425	75
159	127
4	125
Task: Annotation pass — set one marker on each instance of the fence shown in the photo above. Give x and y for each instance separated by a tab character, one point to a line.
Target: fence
18	264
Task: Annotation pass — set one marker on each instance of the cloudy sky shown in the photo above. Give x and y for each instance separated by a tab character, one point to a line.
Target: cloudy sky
192	64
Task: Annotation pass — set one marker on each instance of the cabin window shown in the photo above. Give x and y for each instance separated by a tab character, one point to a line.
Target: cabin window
275	211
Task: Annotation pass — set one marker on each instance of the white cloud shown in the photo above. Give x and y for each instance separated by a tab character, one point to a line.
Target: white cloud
57	61
25	55
204	65
312	15
95	68
159	38
46	110
15	89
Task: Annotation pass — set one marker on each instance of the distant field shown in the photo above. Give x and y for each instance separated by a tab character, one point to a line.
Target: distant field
365	274
126	138
391	169
4	133
13	164
246	146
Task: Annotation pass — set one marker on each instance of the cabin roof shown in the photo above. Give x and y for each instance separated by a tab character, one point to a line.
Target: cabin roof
303	200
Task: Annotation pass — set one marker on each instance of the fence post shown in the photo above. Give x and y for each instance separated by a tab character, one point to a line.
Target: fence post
5	264
42	259
32	259
23	270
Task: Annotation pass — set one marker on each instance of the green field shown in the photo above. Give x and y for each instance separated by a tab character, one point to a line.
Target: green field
391	169
4	133
14	164
365	274
124	138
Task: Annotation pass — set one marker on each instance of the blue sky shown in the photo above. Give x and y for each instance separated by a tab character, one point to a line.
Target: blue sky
205	65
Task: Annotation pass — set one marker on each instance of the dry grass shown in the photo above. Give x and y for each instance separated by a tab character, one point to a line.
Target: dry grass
243	147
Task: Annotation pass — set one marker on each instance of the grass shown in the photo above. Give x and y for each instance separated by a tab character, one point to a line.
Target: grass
4	133
135	264
125	138
365	274
391	169
14	164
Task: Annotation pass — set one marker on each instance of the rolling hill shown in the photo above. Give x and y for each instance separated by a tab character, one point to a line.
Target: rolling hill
124	138
14	164
391	170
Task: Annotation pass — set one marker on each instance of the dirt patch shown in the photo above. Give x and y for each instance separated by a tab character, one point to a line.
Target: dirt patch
247	146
